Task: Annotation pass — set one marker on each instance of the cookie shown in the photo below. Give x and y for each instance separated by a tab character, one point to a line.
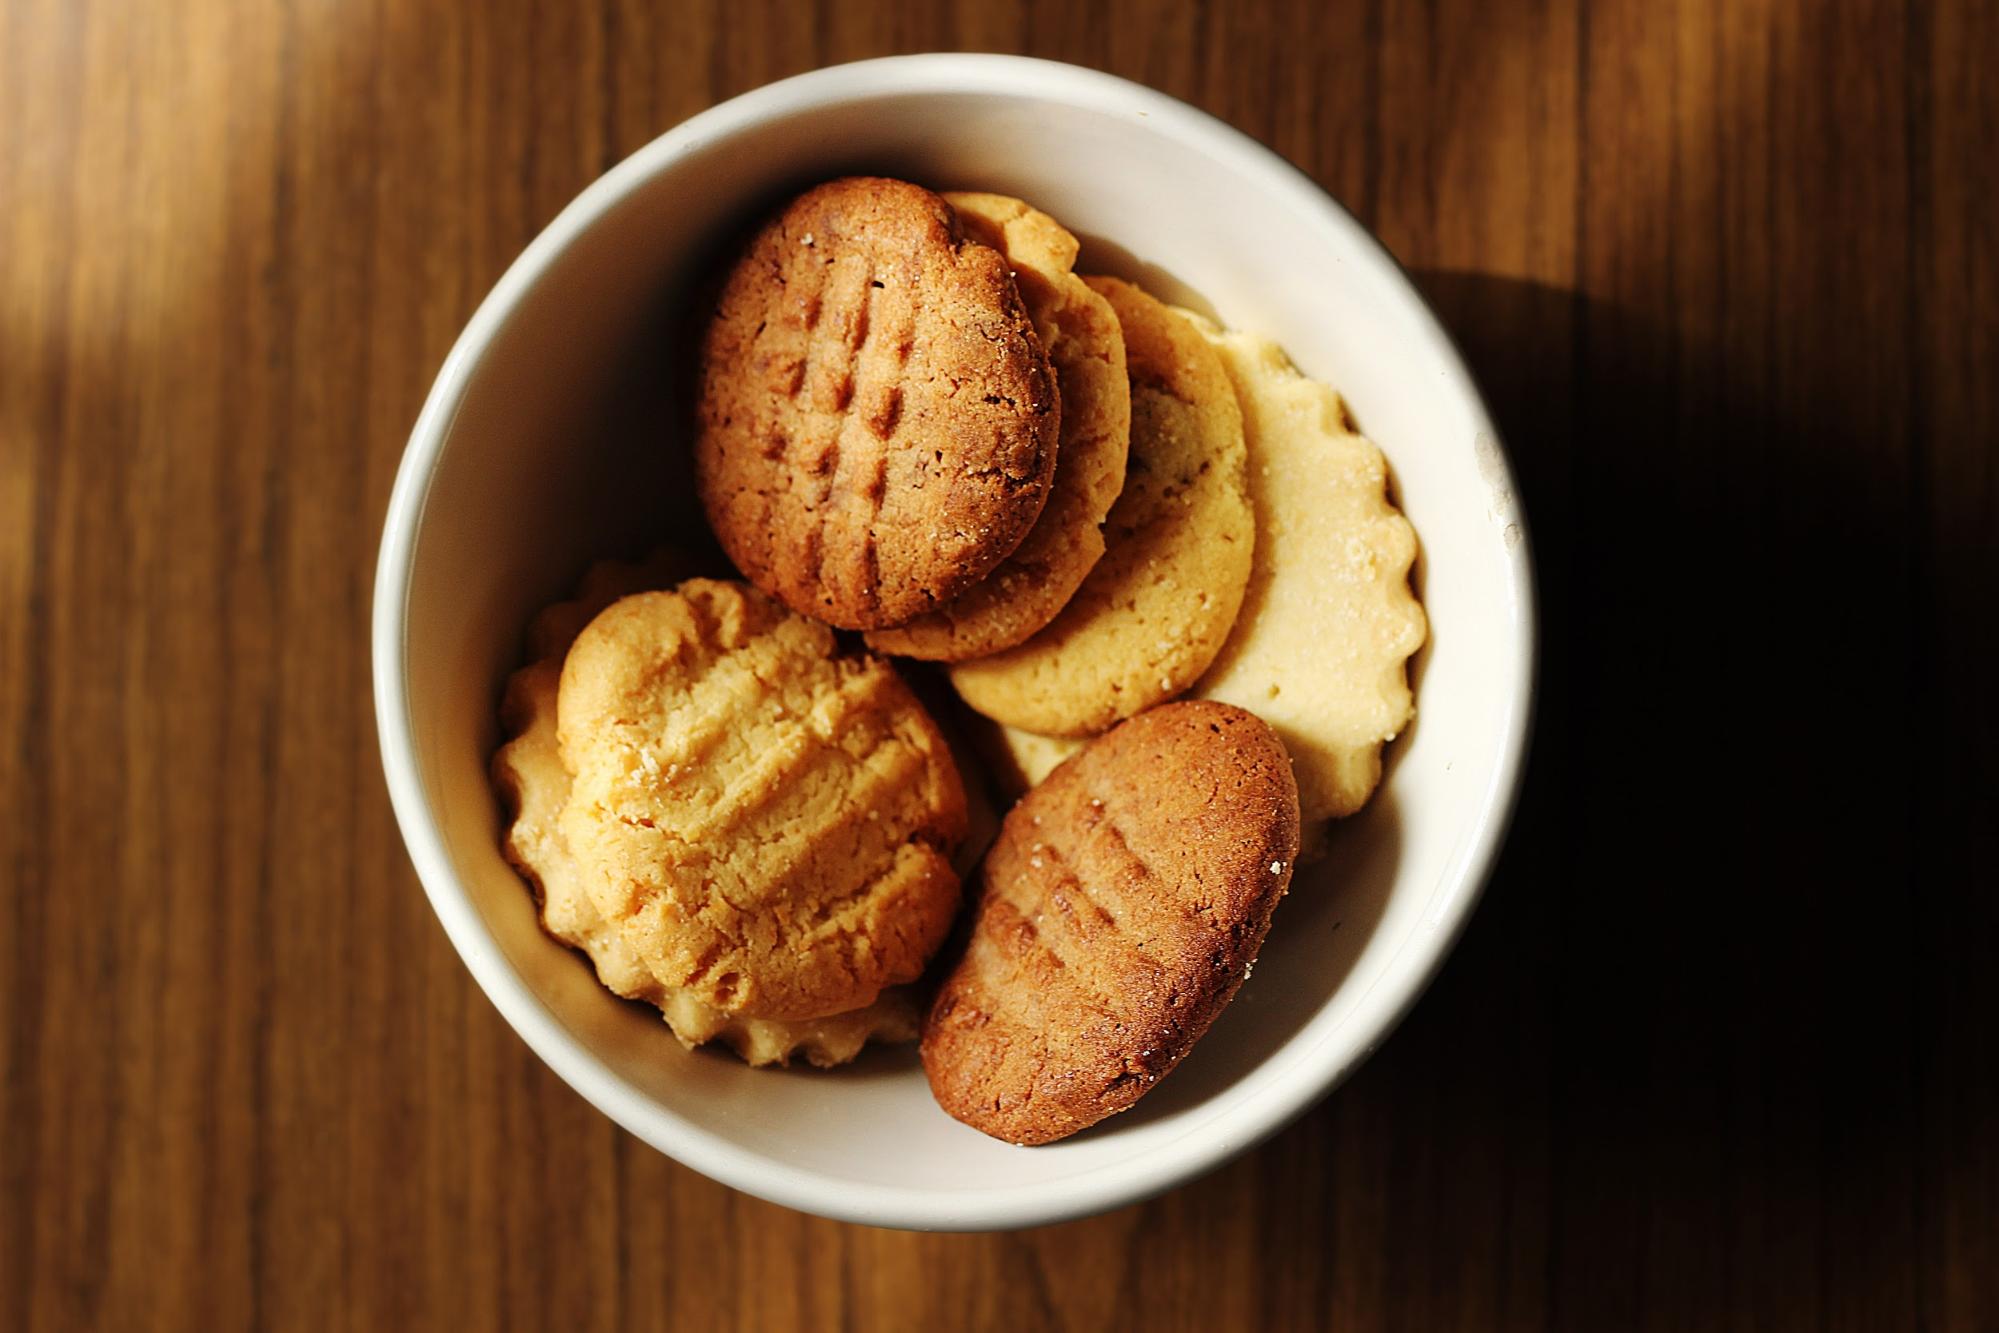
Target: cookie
529	773
878	421
1329	621
1154	611
768	822
534	787
1086	349
1119	911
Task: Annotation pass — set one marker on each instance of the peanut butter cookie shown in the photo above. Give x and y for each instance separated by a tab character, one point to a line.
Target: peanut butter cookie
878	421
1120	910
768	823
534	787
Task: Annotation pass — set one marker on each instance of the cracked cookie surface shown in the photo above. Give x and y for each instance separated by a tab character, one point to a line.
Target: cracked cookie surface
878	420
768	823
1119	911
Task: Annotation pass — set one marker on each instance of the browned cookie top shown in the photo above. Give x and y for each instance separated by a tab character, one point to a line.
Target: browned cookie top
878	419
1120	909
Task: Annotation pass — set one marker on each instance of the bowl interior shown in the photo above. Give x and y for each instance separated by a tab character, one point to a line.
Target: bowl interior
557	447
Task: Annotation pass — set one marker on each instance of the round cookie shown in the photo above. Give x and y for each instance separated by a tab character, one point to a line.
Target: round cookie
534	787
1086	349
768	823
1329	621
1154	611
1119	911
878	421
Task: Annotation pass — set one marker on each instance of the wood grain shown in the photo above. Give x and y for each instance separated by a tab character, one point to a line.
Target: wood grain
1721	1050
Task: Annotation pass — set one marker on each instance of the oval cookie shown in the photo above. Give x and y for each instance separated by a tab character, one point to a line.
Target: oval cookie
878	421
1154	611
1119	911
767	822
1086	349
534	787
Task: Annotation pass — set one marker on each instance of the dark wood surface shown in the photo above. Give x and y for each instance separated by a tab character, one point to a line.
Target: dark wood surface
1721	1049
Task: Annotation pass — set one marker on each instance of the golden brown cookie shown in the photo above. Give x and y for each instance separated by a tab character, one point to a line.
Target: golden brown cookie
1329	622
1156	608
1119	911
878	421
769	823
534	787
1086	349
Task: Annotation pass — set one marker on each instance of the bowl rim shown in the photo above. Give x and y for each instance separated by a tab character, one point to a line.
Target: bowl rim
1315	1072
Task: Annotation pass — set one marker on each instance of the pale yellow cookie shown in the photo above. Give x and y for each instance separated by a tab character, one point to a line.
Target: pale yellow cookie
534	787
1086	349
768	822
1154	611
1329	623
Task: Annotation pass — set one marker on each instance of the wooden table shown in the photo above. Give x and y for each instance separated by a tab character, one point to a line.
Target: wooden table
1720	1050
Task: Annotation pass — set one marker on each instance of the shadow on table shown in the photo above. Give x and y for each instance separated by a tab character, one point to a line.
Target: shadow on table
1694	1016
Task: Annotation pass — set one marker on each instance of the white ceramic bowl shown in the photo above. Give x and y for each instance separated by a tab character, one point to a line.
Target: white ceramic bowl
531	458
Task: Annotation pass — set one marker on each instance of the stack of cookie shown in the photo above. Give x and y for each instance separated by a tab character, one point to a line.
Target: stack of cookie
918	423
